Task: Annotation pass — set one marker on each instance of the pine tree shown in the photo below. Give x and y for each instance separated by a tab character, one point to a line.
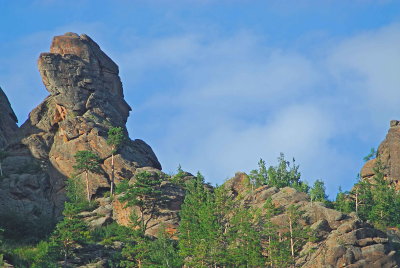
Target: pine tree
70	232
343	202
163	251
198	229
317	192
115	139
224	205
144	193
297	234
87	161
362	194
277	249
259	177
372	154
385	206
286	174
244	239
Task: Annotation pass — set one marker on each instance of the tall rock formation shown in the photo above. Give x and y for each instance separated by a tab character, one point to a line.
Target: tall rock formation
86	99
389	154
8	121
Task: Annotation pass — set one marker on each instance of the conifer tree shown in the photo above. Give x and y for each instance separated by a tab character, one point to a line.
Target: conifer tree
244	239
144	193
317	192
163	251
297	233
70	231
115	139
276	248
286	174
87	161
198	229
224	205
385	206
343	202
362	194
259	177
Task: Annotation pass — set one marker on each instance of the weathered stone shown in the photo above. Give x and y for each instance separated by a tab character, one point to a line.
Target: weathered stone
8	121
389	154
343	240
86	99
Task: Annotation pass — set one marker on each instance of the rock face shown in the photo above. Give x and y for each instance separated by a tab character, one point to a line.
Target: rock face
86	99
8	121
389	154
342	240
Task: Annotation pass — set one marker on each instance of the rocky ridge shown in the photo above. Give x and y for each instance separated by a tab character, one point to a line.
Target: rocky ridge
342	240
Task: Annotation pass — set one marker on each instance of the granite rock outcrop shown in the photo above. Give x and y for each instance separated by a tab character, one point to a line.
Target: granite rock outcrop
86	99
8	121
389	154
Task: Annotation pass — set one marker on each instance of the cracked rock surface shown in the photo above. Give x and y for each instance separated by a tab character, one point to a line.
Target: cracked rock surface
86	99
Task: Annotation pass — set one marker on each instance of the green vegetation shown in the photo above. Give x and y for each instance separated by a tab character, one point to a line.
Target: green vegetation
317	192
219	231
285	174
115	139
143	193
87	161
218	228
374	199
179	177
372	154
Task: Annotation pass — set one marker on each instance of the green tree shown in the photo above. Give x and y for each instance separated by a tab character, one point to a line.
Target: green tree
179	177
362	195
87	161
385	199
244	239
70	232
163	252
144	193
198	228
115	139
343	202
277	249
285	174
136	249
372	154
298	234
259	176
3	155
317	192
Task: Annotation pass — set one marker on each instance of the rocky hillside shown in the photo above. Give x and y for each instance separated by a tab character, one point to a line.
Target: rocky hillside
342	240
86	99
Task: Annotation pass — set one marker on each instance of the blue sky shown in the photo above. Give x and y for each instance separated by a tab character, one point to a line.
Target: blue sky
215	85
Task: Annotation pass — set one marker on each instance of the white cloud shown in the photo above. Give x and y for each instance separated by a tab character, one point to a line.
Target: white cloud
235	99
367	66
